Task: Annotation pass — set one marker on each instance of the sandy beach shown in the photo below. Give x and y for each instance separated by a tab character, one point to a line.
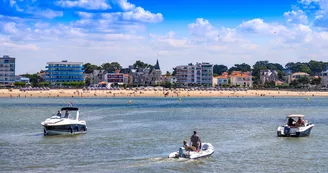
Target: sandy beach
79	93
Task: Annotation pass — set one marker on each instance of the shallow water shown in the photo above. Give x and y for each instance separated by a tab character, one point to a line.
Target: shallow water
138	137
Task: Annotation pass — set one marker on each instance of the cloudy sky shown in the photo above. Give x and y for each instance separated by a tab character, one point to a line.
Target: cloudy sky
175	32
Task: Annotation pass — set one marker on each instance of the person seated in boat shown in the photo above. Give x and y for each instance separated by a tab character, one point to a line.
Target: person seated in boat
187	147
66	114
291	122
299	122
195	141
59	114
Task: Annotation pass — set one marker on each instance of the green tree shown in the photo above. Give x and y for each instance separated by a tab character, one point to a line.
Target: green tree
19	84
219	69
270	84
294	83
304	80
316	66
257	67
298	67
89	68
34	78
87	81
168	73
43	84
240	67
265	65
174	71
111	67
316	81
140	64
167	85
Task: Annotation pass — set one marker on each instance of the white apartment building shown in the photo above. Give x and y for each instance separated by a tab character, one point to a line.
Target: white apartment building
324	78
191	74
7	71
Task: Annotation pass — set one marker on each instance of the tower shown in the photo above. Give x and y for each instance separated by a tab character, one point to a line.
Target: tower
157	66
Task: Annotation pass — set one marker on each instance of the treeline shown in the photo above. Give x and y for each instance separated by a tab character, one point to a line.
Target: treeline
112	67
312	67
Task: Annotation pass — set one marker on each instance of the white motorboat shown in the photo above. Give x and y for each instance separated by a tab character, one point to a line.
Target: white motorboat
70	123
207	150
295	126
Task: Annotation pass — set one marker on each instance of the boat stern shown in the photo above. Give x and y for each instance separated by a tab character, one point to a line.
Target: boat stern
281	131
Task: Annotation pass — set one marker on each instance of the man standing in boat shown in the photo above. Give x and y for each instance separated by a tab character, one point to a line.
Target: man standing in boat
195	141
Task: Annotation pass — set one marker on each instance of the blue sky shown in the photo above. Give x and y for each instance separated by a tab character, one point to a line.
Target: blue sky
175	32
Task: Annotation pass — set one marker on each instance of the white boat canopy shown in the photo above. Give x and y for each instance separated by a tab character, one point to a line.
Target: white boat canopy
295	116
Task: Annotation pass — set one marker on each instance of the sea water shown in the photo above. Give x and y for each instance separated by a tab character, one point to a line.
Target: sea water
138	135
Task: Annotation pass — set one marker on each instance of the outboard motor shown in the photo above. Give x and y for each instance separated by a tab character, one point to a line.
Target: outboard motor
182	152
286	130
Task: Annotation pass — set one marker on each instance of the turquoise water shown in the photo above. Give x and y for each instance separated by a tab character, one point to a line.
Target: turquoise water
138	137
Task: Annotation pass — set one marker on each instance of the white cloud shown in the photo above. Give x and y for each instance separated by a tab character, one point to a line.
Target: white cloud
202	31
10	27
306	2
122	37
125	5
321	16
12	2
258	26
41	25
85	15
86	4
169	40
323	35
203	28
111	16
141	15
50	14
298	17
32	47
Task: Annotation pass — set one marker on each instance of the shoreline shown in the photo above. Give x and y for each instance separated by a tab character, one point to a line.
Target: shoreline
79	93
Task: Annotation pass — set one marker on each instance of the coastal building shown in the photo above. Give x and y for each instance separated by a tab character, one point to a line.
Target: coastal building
7	70
238	78
148	76
170	79
221	80
267	76
296	76
58	72
195	74
324	78
42	75
22	79
117	78
96	76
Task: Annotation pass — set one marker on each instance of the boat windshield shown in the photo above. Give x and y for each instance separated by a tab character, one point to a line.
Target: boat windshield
70	115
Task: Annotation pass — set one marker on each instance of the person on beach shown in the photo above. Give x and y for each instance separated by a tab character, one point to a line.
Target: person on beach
59	114
195	141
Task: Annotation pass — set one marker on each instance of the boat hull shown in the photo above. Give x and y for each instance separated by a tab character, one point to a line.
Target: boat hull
294	132
194	155
64	129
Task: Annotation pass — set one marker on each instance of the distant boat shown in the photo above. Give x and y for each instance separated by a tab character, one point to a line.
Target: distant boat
295	126
67	124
